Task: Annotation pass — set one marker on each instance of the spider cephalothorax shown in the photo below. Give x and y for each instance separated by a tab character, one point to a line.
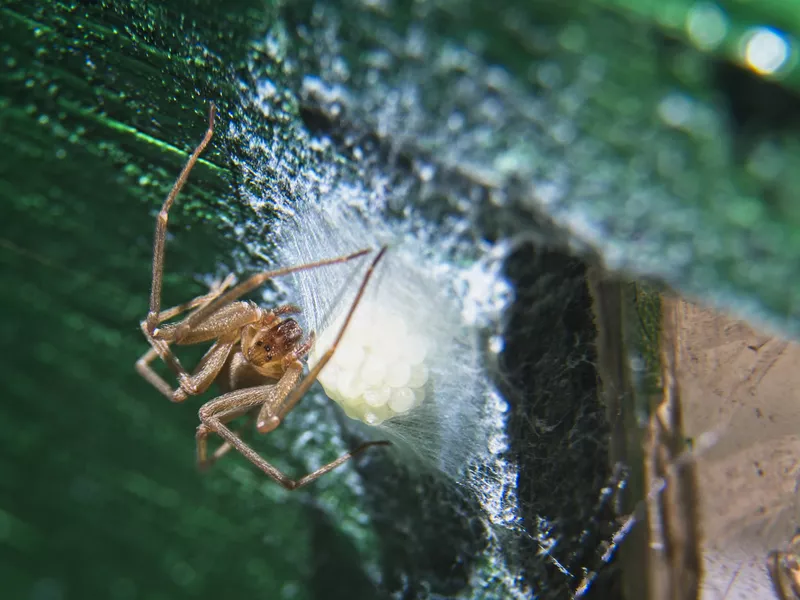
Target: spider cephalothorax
256	353
266	346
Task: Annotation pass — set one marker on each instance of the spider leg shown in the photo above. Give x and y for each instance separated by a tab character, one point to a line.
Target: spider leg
223	326
215	290
249	285
216	413
295	396
226	446
223	409
207	369
231	316
145	370
143	364
154	314
188	384
333	464
268	415
287	309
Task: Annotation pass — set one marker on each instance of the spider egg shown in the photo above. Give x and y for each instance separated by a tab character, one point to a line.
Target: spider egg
402	400
377	371
398	374
377	396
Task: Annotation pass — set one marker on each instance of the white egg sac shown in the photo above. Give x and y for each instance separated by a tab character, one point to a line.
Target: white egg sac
378	370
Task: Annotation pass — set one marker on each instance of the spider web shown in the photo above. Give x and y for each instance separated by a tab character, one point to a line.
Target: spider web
496	490
490	181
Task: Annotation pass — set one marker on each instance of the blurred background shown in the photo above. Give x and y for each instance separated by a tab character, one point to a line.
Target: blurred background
633	164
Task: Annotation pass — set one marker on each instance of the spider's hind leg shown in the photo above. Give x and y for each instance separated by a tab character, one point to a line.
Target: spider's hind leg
216	413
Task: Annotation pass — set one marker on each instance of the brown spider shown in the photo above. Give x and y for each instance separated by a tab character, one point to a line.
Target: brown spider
255	356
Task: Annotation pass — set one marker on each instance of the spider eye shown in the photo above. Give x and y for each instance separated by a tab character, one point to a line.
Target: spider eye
268	348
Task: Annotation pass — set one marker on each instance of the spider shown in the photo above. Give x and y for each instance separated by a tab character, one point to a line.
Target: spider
256	355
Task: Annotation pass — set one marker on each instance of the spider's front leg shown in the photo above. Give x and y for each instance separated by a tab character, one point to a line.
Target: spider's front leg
160	238
214	291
